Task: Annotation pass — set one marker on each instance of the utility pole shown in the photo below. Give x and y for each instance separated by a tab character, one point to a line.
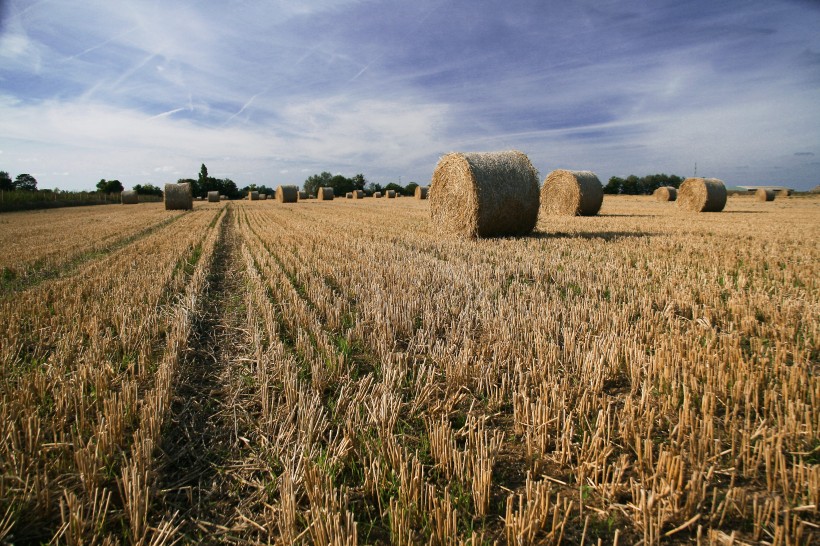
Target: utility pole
696	169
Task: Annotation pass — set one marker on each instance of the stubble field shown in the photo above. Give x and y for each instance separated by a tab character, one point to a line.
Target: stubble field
339	373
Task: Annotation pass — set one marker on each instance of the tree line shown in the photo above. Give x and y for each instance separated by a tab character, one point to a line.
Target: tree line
644	185
342	184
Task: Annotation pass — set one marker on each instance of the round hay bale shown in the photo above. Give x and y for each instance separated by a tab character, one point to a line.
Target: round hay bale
702	195
178	197
784	193
213	197
253	196
484	194
421	192
302	195
391	194
223	197
571	193
358	194
129	197
349	195
377	194
287	194
325	194
665	193
764	195
263	196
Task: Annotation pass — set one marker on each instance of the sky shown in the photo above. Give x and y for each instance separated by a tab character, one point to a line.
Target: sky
267	92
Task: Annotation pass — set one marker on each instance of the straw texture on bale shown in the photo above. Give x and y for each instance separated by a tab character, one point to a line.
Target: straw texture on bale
571	193
377	194
421	192
253	195
303	195
484	194
765	195
665	193
325	194
178	197
287	194
129	197
358	194
391	194
213	197
702	195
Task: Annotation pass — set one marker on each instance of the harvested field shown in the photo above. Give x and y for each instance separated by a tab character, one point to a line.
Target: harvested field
235	375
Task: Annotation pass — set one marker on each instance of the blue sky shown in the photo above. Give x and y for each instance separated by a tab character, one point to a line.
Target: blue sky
272	92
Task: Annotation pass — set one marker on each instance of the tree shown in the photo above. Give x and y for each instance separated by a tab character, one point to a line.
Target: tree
6	183
359	181
410	189
316	181
25	182
109	186
148	189
614	185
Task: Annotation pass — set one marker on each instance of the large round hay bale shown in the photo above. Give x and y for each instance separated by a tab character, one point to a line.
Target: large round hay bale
484	194
391	194
253	196
702	195
764	195
571	193
213	197
665	193
302	195
129	197
325	194
287	194
377	194
178	197
358	194
421	192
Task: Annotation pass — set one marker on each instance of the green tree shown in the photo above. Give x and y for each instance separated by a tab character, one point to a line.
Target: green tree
25	182
148	189
316	181
614	185
410	189
6	183
109	186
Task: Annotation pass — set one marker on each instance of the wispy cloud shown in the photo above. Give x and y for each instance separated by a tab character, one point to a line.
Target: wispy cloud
139	91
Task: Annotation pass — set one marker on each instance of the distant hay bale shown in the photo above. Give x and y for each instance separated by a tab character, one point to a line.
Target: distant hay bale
325	194
571	193
784	193
302	195
287	194
484	194
178	197
765	195
702	195
213	197
665	193
391	194
223	197
349	195
253	196
421	192
263	196
130	197
358	194
377	194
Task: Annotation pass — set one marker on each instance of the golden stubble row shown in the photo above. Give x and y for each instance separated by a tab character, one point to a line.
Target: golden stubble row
650	359
88	363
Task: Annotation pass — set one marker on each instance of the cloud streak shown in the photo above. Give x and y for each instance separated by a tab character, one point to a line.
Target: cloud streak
385	88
